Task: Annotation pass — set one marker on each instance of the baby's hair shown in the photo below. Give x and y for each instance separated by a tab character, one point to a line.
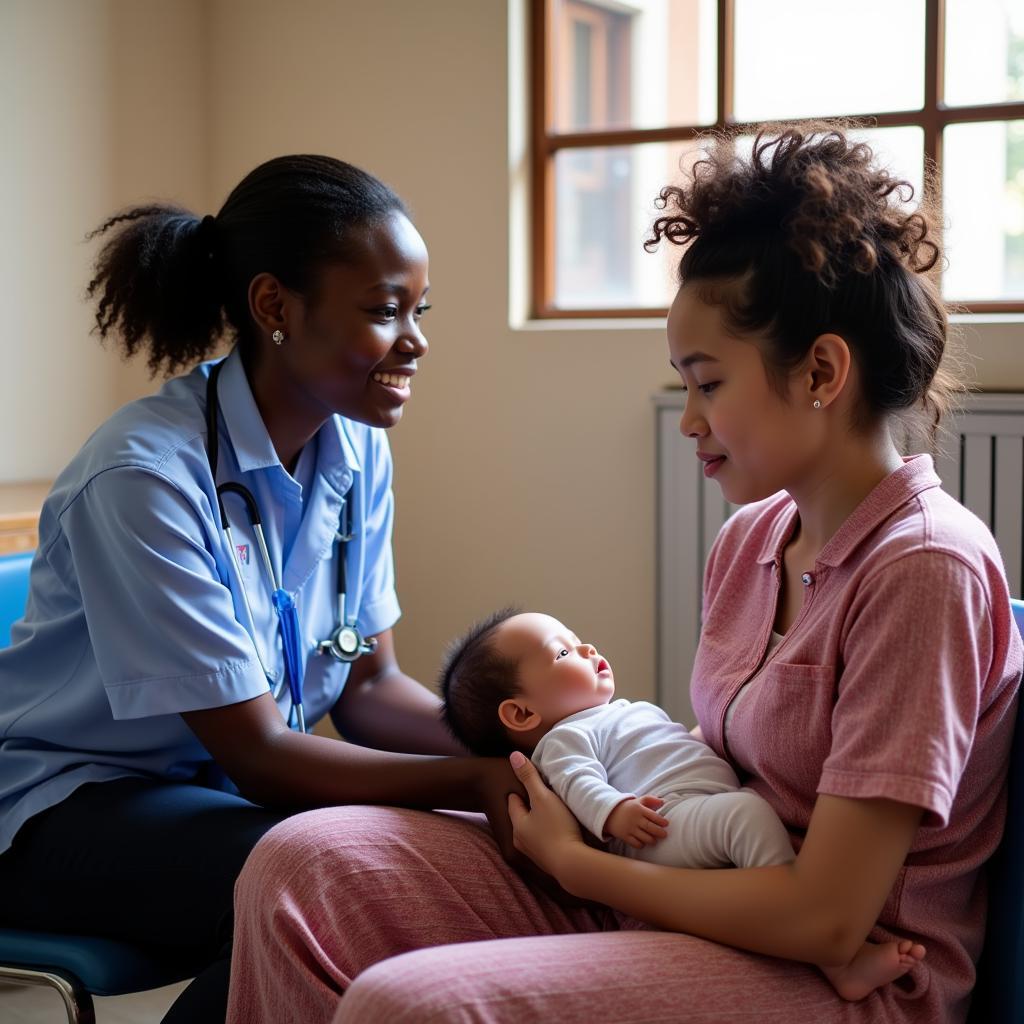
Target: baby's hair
474	680
807	235
170	282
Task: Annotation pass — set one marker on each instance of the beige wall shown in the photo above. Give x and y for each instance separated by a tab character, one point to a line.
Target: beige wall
100	102
55	160
524	463
159	61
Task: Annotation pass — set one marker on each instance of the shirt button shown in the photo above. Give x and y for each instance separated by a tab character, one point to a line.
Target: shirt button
807	579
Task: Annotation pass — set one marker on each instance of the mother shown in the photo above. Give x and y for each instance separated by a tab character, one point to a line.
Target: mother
858	664
145	700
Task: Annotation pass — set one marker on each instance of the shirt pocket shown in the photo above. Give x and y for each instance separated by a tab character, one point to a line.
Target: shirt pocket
793	725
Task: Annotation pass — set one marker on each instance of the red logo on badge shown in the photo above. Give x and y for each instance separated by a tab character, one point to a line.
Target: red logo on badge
243	553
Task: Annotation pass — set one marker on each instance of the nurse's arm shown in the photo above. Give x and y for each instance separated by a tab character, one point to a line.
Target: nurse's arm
274	766
382	707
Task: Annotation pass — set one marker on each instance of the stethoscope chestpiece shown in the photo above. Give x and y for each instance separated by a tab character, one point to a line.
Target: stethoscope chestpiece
347	644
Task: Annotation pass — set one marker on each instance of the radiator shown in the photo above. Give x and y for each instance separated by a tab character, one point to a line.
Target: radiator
982	466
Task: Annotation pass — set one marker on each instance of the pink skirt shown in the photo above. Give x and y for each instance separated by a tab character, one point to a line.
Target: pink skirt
415	917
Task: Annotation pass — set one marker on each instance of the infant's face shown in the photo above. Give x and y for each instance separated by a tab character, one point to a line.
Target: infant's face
558	675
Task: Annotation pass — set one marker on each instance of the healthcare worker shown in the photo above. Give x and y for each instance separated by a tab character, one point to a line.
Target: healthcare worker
214	574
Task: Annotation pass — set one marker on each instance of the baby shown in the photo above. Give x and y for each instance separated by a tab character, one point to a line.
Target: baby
632	776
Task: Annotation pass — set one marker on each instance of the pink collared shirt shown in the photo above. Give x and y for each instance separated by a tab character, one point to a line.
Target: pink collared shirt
898	679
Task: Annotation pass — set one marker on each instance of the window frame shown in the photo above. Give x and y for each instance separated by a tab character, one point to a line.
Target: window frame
545	143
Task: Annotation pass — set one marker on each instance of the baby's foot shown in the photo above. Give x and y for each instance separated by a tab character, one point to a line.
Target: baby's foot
876	964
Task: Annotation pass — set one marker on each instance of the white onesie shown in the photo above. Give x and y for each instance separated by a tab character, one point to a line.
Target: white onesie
596	758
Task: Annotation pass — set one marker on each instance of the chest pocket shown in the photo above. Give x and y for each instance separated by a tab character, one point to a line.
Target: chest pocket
255	600
247	557
783	733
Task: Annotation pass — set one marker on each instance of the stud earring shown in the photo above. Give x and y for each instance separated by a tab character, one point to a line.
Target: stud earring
278	337
817	401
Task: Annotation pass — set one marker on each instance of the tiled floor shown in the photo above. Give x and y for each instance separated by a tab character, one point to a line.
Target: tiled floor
31	1005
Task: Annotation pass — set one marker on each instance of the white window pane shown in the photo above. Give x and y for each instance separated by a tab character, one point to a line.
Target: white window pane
647	64
806	58
983	206
984	51
604	198
900	150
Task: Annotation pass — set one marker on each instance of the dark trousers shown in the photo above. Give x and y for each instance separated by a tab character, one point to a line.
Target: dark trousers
148	862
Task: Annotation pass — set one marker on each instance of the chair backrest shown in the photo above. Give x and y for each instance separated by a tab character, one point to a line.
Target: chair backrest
999	993
13	592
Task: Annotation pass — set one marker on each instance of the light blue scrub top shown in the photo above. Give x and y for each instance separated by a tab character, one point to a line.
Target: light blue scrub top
135	612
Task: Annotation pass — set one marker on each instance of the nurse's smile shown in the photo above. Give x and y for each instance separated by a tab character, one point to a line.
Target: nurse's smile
398	383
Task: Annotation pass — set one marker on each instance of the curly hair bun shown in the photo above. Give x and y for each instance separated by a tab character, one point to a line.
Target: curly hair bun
813	236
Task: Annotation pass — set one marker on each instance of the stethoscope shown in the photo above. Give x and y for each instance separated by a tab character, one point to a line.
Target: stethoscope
345	643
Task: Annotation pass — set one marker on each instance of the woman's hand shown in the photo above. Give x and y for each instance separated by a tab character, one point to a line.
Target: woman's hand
545	831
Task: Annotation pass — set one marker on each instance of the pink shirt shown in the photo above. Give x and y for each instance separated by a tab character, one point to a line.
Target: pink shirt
898	679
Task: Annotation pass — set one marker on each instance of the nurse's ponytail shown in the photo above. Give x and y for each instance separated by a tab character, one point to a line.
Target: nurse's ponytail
173	284
157	285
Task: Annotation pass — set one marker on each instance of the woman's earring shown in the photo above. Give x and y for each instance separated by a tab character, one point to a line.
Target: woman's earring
278	337
817	401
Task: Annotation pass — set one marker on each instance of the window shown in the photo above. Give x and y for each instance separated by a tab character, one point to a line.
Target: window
623	88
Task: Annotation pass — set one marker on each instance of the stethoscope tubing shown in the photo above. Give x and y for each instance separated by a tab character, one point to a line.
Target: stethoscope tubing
284	604
345	643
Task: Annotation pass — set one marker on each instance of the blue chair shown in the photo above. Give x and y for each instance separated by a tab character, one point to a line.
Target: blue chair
999	992
13	592
77	966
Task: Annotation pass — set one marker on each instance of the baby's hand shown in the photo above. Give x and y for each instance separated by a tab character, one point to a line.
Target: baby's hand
636	822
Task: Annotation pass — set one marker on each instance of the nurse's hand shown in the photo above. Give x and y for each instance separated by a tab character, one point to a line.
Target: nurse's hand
545	831
499	787
495	782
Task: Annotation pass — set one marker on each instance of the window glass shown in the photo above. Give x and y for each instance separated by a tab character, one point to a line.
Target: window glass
647	65
901	150
789	60
622	66
604	198
984	51
983	206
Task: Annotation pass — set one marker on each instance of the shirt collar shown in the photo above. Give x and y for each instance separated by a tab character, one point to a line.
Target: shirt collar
336	457
915	475
248	433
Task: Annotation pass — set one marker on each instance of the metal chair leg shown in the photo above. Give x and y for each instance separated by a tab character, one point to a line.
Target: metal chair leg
77	1002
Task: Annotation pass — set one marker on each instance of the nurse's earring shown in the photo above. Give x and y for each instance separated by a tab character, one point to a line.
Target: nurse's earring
278	337
816	403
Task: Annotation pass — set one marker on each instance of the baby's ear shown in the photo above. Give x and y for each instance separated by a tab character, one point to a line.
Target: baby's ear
514	714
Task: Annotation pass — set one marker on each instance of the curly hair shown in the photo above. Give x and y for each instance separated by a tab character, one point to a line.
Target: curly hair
172	283
808	235
473	681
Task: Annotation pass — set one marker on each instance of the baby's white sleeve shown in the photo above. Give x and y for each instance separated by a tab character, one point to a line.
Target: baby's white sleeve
569	758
